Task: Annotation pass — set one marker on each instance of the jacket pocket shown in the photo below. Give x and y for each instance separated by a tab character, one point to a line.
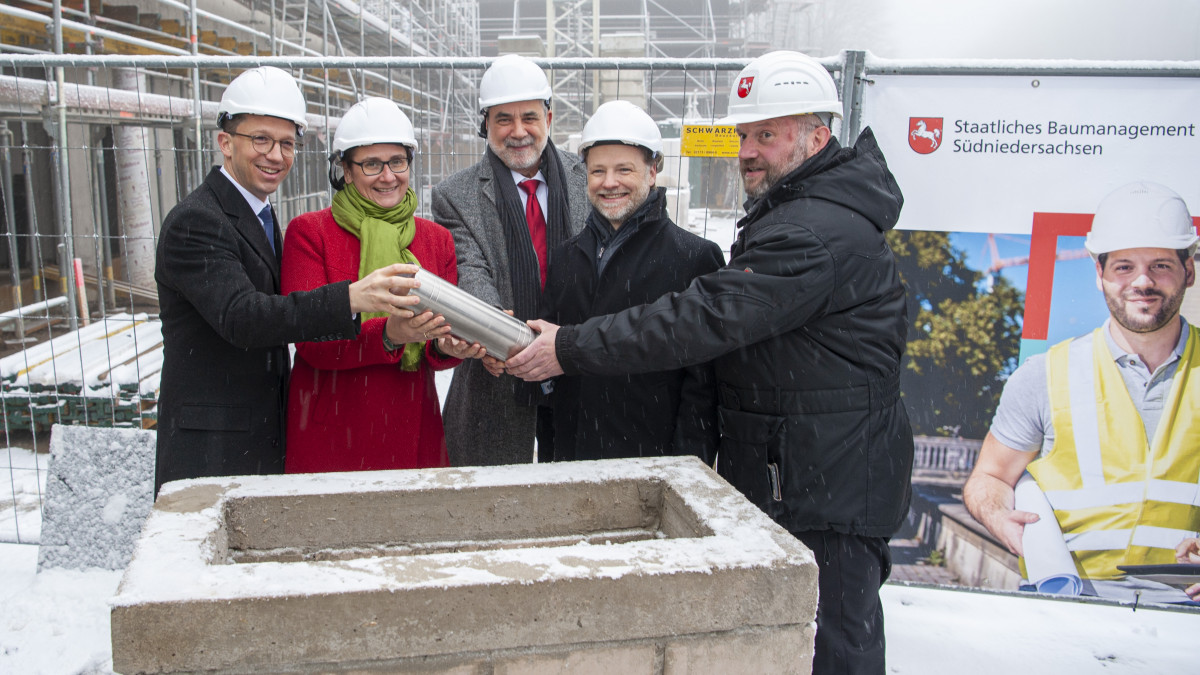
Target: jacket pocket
749	454
214	417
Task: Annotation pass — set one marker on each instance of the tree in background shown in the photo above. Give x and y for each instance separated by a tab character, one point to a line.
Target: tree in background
963	338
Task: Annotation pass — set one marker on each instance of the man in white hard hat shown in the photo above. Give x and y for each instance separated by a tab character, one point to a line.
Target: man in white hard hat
629	253
225	325
523	199
1108	424
806	326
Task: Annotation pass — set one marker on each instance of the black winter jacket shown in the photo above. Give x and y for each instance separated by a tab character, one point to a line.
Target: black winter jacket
807	328
670	412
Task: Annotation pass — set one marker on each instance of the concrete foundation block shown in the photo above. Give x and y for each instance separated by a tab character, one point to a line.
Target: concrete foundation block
577	566
606	661
785	650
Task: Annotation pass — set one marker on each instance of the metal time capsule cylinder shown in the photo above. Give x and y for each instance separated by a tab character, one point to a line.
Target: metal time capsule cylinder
470	318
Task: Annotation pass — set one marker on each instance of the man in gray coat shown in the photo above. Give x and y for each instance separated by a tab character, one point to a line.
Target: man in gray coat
520	201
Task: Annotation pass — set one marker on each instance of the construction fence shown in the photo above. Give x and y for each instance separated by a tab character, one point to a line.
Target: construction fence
95	150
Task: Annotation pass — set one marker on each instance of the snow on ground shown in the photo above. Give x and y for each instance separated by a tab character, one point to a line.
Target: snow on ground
57	622
22	484
953	631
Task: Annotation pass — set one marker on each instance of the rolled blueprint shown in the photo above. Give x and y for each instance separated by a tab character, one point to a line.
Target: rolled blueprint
1048	563
470	318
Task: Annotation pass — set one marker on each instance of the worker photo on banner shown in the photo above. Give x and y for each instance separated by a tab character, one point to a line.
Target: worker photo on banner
1089	470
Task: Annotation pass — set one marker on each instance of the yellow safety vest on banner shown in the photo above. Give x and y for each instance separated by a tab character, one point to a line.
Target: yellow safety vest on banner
1119	501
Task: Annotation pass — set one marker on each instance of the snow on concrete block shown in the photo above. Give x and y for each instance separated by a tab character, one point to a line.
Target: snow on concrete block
592	566
98	494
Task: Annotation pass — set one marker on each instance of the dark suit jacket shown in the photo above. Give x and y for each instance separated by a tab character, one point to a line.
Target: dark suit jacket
225	334
484	423
666	412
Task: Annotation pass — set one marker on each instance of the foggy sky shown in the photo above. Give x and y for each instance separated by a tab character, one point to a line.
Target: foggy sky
1034	29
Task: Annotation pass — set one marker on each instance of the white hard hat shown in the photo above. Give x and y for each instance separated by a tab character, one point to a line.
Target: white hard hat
779	84
512	78
623	122
265	90
1142	215
374	120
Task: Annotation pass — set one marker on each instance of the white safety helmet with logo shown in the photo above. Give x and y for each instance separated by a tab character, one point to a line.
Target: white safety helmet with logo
1142	215
374	120
265	90
622	122
779	84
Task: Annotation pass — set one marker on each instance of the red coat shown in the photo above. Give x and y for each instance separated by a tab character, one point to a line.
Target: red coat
350	406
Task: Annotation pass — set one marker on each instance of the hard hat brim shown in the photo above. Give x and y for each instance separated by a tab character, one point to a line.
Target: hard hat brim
747	117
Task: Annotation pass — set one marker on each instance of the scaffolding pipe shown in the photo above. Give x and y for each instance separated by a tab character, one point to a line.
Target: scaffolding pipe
105	291
337	40
271	27
158	182
58	24
35	245
853	79
197	120
30	92
436	62
10	217
353	8
63	174
874	64
133	179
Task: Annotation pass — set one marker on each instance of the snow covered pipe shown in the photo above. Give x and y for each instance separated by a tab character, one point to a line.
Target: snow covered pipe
470	318
30	92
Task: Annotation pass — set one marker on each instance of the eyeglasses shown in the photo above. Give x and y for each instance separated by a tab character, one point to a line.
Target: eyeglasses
374	167
265	144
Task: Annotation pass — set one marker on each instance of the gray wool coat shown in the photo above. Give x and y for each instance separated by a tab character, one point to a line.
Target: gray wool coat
484	424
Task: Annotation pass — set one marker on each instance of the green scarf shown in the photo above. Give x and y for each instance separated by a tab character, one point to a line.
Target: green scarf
385	235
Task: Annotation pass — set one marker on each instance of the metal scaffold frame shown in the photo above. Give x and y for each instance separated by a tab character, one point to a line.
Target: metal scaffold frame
616	29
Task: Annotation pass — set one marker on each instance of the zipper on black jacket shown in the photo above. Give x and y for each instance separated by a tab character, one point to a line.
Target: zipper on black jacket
773	476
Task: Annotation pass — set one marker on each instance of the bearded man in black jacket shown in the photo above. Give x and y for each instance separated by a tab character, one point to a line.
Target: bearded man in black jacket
806	328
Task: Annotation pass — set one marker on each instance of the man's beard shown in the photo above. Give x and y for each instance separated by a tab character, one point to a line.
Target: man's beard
1141	323
774	174
520	157
620	214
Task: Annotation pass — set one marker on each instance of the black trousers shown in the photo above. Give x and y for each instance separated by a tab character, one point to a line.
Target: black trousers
545	434
850	638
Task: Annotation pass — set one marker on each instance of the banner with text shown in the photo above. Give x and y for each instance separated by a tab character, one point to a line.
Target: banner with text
983	153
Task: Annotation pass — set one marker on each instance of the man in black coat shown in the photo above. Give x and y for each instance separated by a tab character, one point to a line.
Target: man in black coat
225	326
628	254
807	328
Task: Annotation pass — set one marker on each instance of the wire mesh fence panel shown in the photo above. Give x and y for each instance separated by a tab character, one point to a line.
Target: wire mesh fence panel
96	150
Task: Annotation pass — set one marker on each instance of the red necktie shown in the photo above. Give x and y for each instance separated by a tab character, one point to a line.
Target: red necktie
537	224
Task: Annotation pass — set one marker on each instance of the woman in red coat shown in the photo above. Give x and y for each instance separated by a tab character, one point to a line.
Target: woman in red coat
369	403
